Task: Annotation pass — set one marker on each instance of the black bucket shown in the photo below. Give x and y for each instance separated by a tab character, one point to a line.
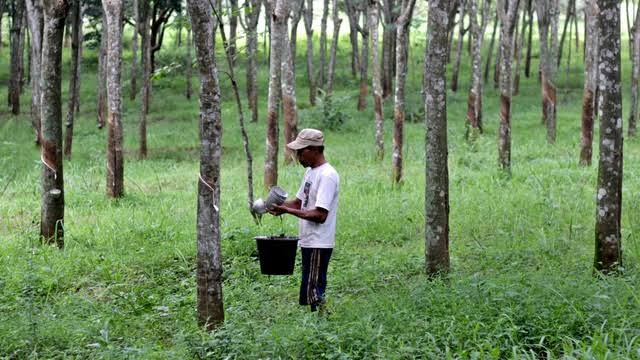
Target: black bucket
277	254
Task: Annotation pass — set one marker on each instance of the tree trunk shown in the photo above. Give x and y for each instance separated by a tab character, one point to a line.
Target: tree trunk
74	88
134	51
252	16
189	65
289	104
548	32
527	64
323	45
279	12
388	47
608	249
474	103
590	82
296	16
145	91
508	12
233	30
376	80
35	19
52	213
567	22
437	172
461	32
1	15
102	74
308	28
331	73
353	14
519	43
115	160
490	53
402	45
209	258
364	61
635	74
16	56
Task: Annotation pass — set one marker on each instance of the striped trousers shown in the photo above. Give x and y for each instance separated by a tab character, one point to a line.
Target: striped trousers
315	263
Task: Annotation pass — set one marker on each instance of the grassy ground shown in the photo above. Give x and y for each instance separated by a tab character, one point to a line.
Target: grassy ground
521	248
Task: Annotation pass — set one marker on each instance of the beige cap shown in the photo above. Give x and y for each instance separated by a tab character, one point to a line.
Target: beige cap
307	137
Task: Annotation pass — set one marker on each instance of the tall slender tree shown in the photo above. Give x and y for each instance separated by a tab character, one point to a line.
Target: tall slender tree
508	12
209	258
189	62
115	159
590	81
461	32
331	73
74	83
102	73
547	11
250	25
52	211
279	11
145	90
474	102
635	74
437	171
289	103
134	51
364	59
233	29
308	28
16	56
608	249
35	20
323	45
374	18
402	46
390	14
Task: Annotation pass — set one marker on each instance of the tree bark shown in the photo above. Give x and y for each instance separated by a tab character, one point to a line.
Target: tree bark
308	28
402	45
590	82
508	12
115	160
296	16
490	53
519	43
17	57
35	20
437	172
635	75
364	61
388	47
376	80
527	64
134	51
474	102
145	90
52	212
189	66
209	258
331	73
289	104
102	74
353	14
461	32
279	11
252	16
323	45
608	249
74	83
233	30
548	32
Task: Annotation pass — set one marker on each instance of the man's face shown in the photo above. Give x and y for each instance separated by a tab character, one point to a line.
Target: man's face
304	156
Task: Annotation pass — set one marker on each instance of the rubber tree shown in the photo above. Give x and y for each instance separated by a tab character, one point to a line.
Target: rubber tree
608	249
547	11
437	171
74	83
308	29
35	19
208	257
364	58
52	211
590	82
635	74
461	32
402	49
17	57
508	13
320	80
250	25
115	160
134	51
145	89
474	102
331	73
376	80
102	74
289	103
279	11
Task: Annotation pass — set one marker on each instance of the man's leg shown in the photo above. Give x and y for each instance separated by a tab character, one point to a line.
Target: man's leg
315	263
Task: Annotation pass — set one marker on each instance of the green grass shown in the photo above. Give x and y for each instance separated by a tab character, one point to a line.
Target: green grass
521	248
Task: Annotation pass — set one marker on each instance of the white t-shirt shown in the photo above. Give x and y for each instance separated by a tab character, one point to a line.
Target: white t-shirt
319	189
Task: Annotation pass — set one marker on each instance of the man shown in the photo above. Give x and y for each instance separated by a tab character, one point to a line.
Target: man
316	204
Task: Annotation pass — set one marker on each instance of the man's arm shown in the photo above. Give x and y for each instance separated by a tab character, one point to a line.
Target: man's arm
316	214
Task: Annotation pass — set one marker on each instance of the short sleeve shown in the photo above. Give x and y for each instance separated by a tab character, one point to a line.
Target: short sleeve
326	192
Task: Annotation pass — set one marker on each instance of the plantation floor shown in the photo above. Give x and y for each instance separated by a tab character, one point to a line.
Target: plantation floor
124	286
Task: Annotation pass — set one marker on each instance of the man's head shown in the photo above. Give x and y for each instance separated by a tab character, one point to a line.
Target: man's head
309	147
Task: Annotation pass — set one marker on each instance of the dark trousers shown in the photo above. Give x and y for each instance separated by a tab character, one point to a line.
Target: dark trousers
314	275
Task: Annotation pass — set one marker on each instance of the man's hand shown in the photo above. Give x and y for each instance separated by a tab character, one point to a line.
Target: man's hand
277	210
